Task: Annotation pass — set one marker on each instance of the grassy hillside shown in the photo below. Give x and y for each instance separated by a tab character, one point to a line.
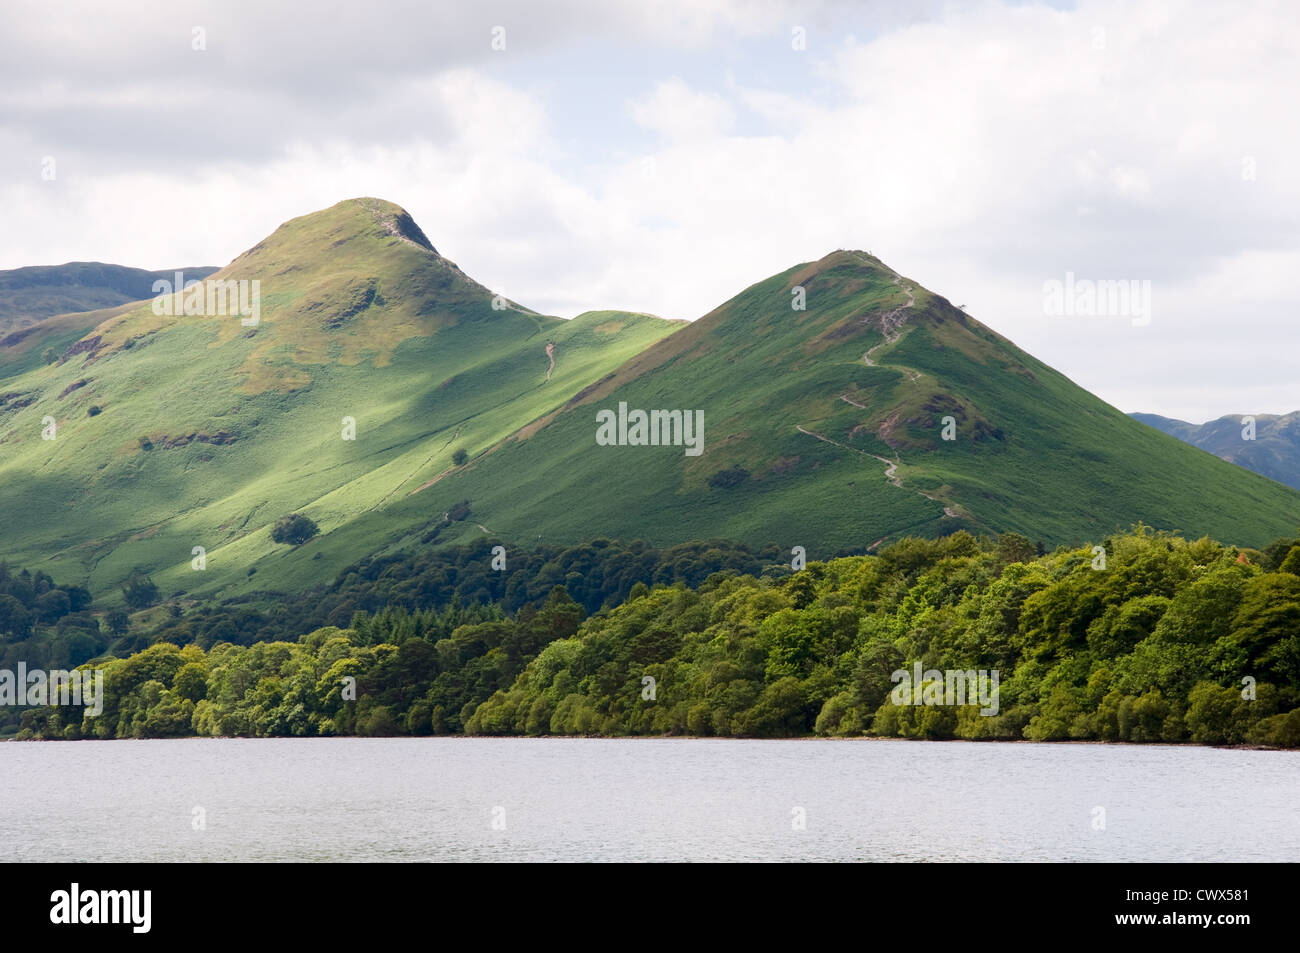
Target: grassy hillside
208	431
29	294
822	425
1274	452
789	397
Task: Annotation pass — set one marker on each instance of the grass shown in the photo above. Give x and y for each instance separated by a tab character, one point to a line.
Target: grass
361	320
436	361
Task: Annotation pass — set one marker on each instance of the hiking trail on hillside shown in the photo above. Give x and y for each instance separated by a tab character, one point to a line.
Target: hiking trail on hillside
891	325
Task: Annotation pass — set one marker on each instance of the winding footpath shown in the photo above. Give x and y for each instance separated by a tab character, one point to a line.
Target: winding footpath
891	326
891	323
891	467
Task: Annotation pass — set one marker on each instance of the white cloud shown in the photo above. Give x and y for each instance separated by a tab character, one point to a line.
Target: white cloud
677	112
981	151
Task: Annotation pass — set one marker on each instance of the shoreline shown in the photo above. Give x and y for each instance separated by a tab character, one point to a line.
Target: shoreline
651	738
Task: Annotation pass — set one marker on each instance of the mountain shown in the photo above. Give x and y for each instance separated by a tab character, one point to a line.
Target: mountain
29	294
823	426
205	431
835	413
1274	450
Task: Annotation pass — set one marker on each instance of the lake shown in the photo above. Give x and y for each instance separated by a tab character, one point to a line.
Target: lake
524	799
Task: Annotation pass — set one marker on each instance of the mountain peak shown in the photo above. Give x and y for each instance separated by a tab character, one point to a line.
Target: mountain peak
395	220
350	223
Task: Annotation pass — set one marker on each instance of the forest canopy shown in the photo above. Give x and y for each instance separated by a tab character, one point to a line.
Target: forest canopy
1168	640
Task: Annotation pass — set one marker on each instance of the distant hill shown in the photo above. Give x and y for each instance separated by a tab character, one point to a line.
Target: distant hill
1275	451
29	294
826	392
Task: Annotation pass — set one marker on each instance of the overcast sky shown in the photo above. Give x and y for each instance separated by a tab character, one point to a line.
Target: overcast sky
661	157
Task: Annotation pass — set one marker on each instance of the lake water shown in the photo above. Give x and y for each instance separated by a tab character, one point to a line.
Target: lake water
413	799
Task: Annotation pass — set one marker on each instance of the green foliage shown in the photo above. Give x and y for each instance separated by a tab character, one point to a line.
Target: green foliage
599	573
1129	653
44	625
1291	563
366	316
294	529
1173	642
15	618
139	591
460	457
1014	548
363	318
415	674
1224	716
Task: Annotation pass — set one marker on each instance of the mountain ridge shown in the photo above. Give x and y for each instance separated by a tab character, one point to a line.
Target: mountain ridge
35	292
1273	449
827	393
918	398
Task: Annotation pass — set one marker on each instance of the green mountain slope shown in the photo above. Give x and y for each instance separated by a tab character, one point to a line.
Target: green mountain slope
836	413
208	431
1274	452
823	426
29	294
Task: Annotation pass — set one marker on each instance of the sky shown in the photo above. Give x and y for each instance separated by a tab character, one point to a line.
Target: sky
661	157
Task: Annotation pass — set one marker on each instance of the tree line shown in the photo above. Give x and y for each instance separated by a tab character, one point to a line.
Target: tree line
1167	640
599	573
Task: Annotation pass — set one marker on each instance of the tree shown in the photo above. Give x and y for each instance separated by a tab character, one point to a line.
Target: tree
118	622
79	596
93	411
460	457
191	682
139	591
294	529
1265	636
782	711
53	606
1014	548
15	620
1291	563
